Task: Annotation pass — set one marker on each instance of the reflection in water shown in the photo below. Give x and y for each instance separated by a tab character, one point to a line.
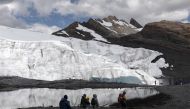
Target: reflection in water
51	97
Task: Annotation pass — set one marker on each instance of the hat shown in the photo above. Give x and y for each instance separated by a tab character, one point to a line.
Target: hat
124	92
65	96
94	95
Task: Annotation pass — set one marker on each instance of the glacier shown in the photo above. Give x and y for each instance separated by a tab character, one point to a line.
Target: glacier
41	56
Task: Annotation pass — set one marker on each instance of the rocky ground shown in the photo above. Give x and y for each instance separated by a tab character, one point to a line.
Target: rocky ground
170	97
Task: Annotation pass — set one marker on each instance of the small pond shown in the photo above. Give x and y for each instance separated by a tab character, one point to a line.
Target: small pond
50	97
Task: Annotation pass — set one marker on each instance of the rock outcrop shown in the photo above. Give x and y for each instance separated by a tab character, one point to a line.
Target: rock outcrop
166	31
135	23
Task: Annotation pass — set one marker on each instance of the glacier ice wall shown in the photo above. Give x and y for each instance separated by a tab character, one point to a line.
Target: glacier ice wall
74	58
55	61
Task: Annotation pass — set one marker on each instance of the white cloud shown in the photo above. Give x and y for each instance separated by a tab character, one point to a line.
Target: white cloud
5	1
8	19
44	7
43	28
143	10
179	15
20	7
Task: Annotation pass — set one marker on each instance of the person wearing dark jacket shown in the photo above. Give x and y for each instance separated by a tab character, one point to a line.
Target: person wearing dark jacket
85	103
64	103
122	100
94	101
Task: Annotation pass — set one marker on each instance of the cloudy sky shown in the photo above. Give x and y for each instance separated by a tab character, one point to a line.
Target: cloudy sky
50	15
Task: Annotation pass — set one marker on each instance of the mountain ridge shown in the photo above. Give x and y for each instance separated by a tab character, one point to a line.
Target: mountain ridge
168	37
107	27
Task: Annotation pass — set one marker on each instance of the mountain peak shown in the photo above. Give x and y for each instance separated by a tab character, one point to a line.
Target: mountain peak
108	27
118	26
135	23
110	18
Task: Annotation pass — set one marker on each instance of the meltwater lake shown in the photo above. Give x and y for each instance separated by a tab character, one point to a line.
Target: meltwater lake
50	97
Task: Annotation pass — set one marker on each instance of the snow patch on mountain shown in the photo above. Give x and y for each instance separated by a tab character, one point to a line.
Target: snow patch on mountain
64	32
132	26
80	34
107	24
138	29
119	22
117	26
93	33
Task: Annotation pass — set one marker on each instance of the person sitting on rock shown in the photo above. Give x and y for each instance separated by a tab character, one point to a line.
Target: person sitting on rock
94	101
85	103
122	100
64	103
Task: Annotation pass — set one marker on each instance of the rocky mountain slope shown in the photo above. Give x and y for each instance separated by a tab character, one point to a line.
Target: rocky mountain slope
169	38
107	27
172	32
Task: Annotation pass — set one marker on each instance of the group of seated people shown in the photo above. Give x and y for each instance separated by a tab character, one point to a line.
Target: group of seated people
85	101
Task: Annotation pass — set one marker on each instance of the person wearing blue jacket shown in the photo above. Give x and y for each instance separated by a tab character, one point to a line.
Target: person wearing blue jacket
64	103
